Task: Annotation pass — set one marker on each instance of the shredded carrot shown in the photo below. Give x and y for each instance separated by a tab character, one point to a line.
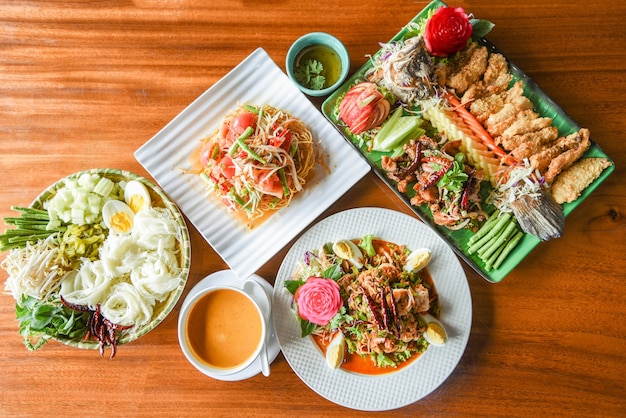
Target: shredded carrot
478	129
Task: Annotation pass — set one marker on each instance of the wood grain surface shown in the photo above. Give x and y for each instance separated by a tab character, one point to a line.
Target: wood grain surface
83	84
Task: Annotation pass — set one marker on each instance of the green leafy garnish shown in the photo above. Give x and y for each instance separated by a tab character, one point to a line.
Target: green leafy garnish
456	176
333	272
310	75
306	327
367	245
40	321
480	27
293	285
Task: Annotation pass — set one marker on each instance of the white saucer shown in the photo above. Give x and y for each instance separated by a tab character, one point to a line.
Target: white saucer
228	277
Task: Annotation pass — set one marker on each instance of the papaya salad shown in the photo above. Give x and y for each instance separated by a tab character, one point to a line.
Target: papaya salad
447	120
93	261
369	304
258	159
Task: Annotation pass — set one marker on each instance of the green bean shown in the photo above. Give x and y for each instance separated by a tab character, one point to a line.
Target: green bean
495	230
251	108
508	248
283	180
499	241
485	228
242	143
238	199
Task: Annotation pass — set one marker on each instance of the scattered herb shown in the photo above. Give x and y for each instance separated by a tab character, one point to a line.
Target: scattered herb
310	75
40	321
367	245
456	176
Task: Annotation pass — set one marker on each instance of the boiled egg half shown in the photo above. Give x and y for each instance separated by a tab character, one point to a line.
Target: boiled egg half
136	196
118	216
435	333
348	250
417	260
335	350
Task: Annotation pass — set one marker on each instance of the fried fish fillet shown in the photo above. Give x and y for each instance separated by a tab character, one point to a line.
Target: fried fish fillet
568	185
526	123
509	115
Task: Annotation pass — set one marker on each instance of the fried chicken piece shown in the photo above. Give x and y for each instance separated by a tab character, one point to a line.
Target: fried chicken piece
568	185
470	72
567	158
483	107
476	91
526	122
510	115
497	76
558	157
531	143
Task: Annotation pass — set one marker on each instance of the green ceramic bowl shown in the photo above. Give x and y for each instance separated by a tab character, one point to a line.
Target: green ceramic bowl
333	52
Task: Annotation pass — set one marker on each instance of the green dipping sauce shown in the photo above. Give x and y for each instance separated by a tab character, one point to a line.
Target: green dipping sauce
325	55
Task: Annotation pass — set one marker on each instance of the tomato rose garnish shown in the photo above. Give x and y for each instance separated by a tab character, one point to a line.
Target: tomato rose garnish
318	300
447	31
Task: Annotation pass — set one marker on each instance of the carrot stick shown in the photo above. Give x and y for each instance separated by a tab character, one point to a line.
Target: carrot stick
478	129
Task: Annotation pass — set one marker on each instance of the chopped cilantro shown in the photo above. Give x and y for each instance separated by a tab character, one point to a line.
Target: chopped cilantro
310	75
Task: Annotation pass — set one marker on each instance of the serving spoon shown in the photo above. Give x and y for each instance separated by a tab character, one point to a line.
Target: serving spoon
258	292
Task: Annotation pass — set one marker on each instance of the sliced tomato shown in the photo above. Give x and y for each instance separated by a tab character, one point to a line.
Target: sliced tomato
227	167
241	122
282	139
207	153
270	184
232	128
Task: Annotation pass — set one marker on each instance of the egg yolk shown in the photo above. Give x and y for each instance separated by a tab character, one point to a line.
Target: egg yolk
121	222
136	202
436	333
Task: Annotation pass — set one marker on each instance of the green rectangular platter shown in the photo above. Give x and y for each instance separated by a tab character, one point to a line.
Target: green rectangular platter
544	105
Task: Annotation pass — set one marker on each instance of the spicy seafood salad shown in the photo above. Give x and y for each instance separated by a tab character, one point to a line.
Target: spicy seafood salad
96	258
452	128
369	304
258	159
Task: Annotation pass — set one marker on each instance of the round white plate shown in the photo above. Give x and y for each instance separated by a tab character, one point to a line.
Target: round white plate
411	383
229	278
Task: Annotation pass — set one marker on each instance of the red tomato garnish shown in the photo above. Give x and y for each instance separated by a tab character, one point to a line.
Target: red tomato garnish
206	154
227	167
271	184
241	122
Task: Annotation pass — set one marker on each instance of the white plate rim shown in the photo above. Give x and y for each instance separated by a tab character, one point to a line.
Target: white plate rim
410	384
256	80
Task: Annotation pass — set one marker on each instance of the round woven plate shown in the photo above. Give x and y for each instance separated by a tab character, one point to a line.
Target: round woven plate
159	198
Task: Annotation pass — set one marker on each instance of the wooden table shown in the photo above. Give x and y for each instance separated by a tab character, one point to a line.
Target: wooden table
84	84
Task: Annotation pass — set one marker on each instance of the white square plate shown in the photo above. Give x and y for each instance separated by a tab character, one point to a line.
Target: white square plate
256	80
